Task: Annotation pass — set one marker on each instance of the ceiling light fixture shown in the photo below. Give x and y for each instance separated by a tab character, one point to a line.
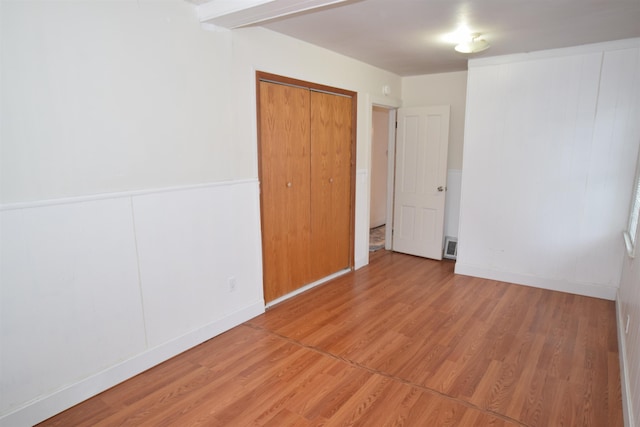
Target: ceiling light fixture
474	45
462	33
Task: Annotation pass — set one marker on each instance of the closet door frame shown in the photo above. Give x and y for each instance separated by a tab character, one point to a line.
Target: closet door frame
274	78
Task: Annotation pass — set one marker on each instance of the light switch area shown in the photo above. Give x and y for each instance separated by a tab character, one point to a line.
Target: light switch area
232	284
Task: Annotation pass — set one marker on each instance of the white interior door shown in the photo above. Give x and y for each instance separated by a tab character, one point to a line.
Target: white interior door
420	185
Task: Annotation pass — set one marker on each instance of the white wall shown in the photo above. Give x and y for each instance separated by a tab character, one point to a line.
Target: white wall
628	306
441	89
129	188
628	299
549	155
379	168
113	96
444	89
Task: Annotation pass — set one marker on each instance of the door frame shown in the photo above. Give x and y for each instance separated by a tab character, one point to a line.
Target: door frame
391	105
278	79
391	177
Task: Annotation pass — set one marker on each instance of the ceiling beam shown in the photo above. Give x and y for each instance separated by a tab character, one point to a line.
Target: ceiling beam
241	13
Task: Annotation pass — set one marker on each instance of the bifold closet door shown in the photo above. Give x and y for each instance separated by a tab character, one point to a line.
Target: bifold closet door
330	183
285	176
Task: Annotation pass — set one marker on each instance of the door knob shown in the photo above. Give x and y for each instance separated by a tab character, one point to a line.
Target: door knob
440	188
289	184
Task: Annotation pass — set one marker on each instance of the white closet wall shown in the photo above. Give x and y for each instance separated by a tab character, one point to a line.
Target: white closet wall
550	145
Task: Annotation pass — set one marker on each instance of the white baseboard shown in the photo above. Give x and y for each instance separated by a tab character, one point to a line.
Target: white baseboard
585	289
627	408
45	407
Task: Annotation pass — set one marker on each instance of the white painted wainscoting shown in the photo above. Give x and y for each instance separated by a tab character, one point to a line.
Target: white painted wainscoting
97	289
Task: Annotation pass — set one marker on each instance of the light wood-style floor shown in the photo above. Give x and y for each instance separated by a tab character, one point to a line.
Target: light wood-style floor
401	342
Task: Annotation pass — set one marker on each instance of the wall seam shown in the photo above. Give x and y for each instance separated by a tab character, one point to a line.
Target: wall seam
135	243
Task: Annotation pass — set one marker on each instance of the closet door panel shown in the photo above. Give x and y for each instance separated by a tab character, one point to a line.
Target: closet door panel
285	192
330	183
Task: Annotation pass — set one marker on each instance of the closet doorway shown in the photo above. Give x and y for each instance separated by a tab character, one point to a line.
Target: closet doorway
306	151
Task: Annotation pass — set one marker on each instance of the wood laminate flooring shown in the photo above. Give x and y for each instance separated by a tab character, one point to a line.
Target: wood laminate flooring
401	342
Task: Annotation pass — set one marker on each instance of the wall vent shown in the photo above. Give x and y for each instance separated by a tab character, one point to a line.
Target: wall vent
450	247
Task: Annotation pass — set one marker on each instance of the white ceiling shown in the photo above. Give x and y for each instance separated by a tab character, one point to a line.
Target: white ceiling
403	36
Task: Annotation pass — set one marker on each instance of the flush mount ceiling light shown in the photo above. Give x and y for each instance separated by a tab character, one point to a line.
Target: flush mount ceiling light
474	45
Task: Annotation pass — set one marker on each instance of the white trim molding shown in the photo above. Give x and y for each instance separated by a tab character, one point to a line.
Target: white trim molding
240	13
120	194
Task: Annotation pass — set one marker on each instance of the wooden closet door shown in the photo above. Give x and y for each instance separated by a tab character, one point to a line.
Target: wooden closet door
285	192
330	183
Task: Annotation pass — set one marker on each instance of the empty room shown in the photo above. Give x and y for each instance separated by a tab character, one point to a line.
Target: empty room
189	190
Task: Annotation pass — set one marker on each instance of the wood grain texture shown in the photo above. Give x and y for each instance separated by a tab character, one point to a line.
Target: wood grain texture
306	166
330	183
401	342
284	187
